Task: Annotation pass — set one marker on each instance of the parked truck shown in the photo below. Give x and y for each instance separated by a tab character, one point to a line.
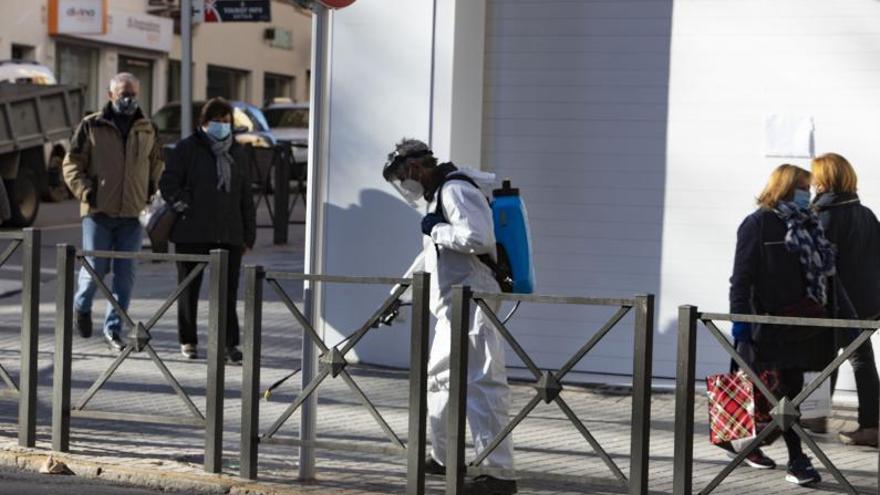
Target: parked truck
37	118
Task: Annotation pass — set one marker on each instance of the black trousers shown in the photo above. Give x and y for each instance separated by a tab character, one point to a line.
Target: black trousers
867	383
188	303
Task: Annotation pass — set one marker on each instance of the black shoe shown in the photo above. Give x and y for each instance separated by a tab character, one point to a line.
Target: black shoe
233	355
801	472
488	485
434	467
83	323
757	459
114	343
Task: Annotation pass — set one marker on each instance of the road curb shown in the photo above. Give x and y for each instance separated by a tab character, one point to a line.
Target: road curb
13	456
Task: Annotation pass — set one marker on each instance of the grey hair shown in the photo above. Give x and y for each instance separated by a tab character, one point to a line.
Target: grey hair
409	147
121	79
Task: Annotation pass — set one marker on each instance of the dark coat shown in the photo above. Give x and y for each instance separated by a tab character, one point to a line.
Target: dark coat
213	216
768	279
855	232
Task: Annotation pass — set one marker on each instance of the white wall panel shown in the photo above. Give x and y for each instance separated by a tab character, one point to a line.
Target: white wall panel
575	114
733	63
380	91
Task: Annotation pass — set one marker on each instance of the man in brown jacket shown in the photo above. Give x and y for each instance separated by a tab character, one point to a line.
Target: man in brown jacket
113	167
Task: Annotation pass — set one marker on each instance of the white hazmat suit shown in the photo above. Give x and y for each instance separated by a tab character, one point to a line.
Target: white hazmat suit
450	256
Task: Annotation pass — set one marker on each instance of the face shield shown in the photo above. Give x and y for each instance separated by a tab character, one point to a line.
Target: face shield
396	172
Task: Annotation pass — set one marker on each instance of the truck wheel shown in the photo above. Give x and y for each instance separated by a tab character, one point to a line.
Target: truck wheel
56	189
24	198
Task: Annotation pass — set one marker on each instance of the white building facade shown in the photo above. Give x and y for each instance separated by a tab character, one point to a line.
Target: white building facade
636	131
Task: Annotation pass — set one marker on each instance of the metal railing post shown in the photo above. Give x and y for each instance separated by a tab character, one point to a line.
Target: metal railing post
458	373
683	449
308	411
418	385
641	413
30	332
216	360
281	195
65	258
250	383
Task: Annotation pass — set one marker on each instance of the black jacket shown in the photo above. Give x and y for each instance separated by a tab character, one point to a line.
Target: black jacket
855	232
213	216
767	279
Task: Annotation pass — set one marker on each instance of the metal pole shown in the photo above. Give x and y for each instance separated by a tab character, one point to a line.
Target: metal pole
458	373
65	258
217	324
418	385
641	409
186	96
318	134
281	194
30	332
250	383
683	449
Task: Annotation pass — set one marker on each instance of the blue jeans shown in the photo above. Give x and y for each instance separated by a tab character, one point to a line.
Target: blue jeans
103	233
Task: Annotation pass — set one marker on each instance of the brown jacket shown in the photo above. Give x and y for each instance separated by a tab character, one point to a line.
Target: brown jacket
110	175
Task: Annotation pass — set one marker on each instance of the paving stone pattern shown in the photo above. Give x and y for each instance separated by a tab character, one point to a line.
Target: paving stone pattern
545	442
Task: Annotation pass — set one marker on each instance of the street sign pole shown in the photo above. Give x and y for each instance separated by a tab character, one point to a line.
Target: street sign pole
186	9
315	198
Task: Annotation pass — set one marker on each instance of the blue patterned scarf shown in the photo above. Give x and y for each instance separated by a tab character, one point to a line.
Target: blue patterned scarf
806	237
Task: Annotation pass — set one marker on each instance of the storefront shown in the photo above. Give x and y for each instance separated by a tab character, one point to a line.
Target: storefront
77	64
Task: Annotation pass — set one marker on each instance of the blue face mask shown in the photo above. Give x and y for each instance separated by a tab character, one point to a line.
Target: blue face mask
218	130
802	199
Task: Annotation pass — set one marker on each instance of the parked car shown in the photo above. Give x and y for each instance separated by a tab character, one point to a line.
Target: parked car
41	115
289	122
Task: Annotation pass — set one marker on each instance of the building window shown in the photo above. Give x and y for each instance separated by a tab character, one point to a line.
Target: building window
277	86
143	70
23	52
227	83
78	65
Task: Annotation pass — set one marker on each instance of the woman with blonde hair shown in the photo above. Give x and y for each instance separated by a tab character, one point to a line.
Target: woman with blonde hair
781	268
855	233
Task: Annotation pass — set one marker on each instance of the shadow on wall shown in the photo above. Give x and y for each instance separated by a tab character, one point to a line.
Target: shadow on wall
347	307
576	110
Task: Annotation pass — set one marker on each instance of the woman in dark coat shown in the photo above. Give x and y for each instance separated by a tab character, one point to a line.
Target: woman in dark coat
207	181
853	229
781	268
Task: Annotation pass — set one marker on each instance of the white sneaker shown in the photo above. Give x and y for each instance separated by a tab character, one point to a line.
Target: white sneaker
189	351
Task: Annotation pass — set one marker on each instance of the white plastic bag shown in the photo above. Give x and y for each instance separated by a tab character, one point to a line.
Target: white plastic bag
818	404
155	203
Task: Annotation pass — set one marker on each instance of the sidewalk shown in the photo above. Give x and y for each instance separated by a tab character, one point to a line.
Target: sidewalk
170	457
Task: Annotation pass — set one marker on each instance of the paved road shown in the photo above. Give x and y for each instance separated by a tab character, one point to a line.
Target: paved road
14	482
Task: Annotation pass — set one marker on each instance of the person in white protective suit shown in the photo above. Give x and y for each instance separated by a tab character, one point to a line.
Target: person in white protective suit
453	238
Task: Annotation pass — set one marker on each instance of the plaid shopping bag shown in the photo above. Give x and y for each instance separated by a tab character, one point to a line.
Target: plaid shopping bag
731	407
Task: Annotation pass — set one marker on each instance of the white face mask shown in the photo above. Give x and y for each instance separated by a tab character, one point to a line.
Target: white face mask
412	191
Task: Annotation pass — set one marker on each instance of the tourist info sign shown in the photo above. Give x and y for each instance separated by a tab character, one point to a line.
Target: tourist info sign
237	11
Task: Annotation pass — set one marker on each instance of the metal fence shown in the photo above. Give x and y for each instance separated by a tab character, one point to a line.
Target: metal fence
273	169
548	386
332	364
785	412
139	341
25	391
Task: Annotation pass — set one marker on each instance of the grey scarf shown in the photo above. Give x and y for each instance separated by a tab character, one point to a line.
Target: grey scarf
224	162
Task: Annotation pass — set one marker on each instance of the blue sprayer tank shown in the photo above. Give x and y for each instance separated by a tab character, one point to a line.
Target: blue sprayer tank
512	231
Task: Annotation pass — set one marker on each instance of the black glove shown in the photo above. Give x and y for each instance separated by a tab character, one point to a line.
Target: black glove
429	221
390	314
90	198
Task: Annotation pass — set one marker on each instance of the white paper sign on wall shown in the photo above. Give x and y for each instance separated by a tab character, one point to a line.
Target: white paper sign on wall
789	136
